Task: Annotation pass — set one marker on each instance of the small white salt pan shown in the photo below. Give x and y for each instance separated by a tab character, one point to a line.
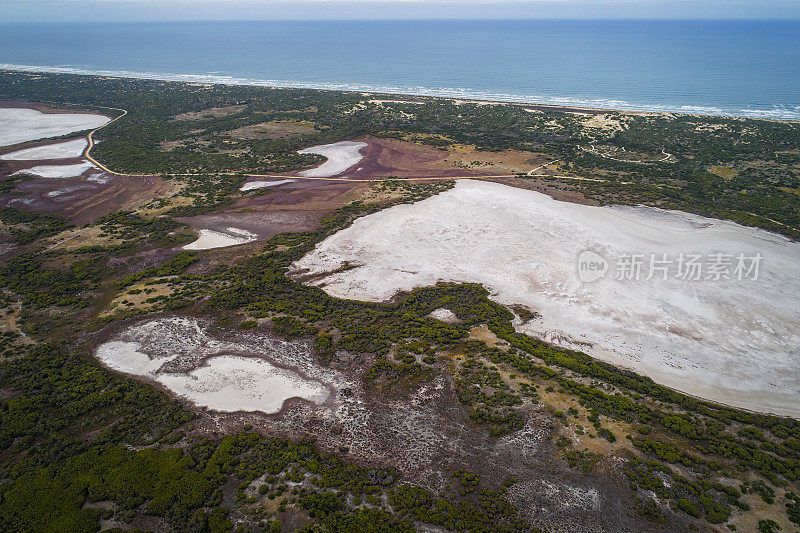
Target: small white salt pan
224	383
65	150
24	201
126	357
252	185
341	156
60	192
217	239
98	178
19	125
445	315
230	383
57	171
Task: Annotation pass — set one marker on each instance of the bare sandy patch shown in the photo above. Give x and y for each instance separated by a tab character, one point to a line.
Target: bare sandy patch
723	171
712	127
606	124
274	130
138	297
445	315
483	333
168	146
212	112
504	162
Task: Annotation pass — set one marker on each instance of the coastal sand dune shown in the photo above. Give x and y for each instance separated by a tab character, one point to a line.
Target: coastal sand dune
341	156
728	340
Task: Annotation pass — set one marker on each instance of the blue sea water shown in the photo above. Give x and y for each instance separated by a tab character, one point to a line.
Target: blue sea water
740	68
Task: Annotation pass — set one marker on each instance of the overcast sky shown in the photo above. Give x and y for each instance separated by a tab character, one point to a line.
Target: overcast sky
137	10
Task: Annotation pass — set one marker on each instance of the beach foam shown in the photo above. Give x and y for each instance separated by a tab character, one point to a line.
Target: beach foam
788	111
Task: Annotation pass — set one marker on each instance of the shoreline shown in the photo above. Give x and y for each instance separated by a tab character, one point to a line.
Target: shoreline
394	92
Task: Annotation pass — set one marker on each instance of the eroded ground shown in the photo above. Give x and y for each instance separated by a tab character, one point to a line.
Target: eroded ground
280	388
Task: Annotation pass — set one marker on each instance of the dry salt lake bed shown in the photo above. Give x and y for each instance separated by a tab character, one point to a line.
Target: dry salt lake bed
728	340
256	374
179	354
732	341
19	125
340	157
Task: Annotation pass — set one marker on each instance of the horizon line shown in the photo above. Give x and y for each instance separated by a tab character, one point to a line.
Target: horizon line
412	19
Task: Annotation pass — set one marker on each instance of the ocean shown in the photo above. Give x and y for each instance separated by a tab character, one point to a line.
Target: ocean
736	68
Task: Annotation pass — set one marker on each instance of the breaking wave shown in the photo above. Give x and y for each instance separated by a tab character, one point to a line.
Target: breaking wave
778	112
